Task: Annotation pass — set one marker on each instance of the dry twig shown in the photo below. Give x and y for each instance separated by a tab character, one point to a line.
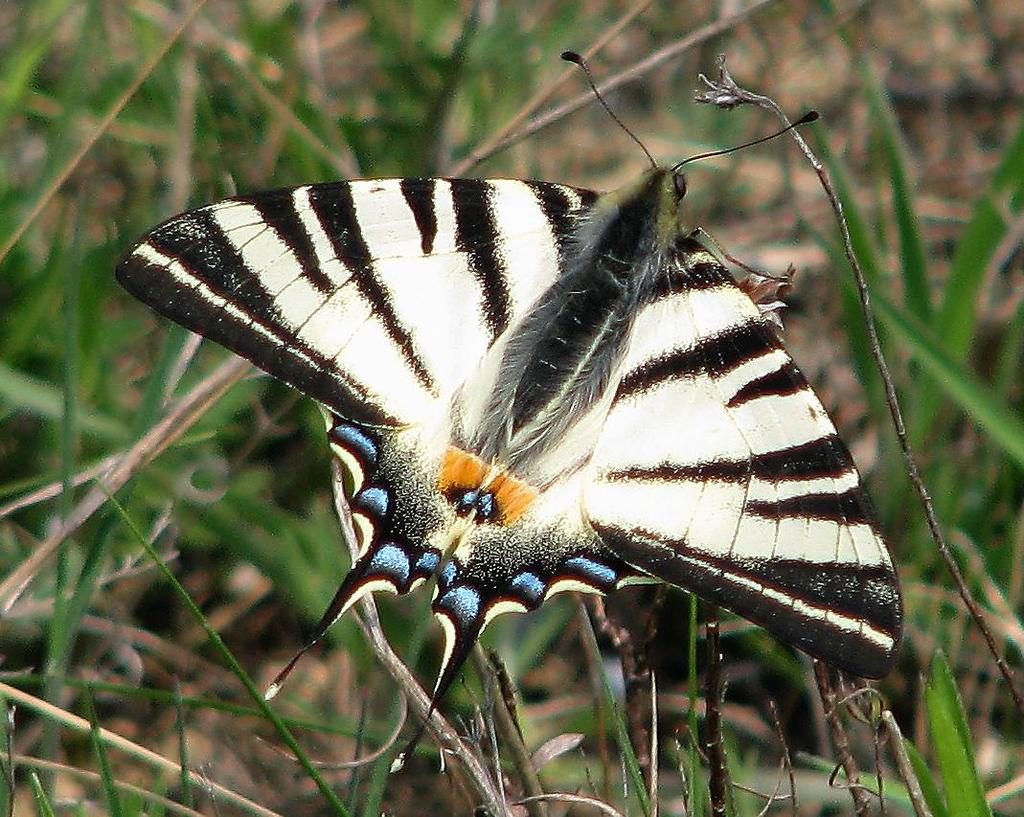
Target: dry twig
725	93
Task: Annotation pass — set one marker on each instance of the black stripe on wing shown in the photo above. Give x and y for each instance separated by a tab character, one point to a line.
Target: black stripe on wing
849	507
199	246
562	213
785	380
697	277
419	195
335	210
818	459
715	355
476	234
277	209
790	598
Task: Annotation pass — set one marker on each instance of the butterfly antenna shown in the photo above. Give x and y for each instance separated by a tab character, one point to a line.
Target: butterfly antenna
573	57
808	117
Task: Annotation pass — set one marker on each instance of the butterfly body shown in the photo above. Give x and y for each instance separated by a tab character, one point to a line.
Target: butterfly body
530	388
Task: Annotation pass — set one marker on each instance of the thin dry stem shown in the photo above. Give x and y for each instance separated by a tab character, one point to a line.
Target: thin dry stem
718	783
490	670
636	675
180	419
840	742
561	797
96	781
116	741
725	93
631	74
787	759
906	770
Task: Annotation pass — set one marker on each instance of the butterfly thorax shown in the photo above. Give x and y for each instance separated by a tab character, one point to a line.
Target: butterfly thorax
557	365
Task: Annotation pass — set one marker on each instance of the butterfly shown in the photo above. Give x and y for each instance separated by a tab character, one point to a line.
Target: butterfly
531	388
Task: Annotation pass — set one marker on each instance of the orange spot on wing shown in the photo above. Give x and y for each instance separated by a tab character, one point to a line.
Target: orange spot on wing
463	471
513	497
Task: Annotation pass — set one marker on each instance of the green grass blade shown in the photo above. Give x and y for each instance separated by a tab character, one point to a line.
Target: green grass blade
184	779
978	400
25	393
958	318
914	267
929	788
22	62
106	775
634	777
867	255
265	710
43	807
952	743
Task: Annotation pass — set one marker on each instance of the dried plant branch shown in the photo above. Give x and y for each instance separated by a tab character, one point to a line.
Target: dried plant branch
593	660
787	759
631	74
95	780
904	766
652	785
840	742
116	741
443	732
714	744
725	93
179	419
636	676
362	760
490	671
561	797
54	489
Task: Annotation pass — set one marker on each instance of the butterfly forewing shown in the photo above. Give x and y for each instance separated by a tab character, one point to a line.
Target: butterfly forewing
377	298
719	470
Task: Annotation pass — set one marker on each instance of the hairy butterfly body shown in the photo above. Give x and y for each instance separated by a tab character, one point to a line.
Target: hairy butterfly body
530	388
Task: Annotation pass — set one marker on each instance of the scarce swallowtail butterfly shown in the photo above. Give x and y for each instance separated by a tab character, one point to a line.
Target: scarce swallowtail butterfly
531	388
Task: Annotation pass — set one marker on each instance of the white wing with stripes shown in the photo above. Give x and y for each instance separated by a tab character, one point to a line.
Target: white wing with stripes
718	469
378	298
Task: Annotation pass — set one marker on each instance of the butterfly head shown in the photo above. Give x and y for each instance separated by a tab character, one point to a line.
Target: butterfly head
648	207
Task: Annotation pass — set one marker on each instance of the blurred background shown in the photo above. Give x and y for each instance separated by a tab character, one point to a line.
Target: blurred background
115	116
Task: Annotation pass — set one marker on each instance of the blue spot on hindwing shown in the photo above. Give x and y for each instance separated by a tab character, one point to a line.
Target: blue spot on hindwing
594	573
486	507
529	586
463	602
428	561
447	575
358	442
373	499
392	562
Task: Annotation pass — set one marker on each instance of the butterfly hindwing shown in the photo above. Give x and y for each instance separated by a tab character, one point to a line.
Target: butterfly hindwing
719	470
